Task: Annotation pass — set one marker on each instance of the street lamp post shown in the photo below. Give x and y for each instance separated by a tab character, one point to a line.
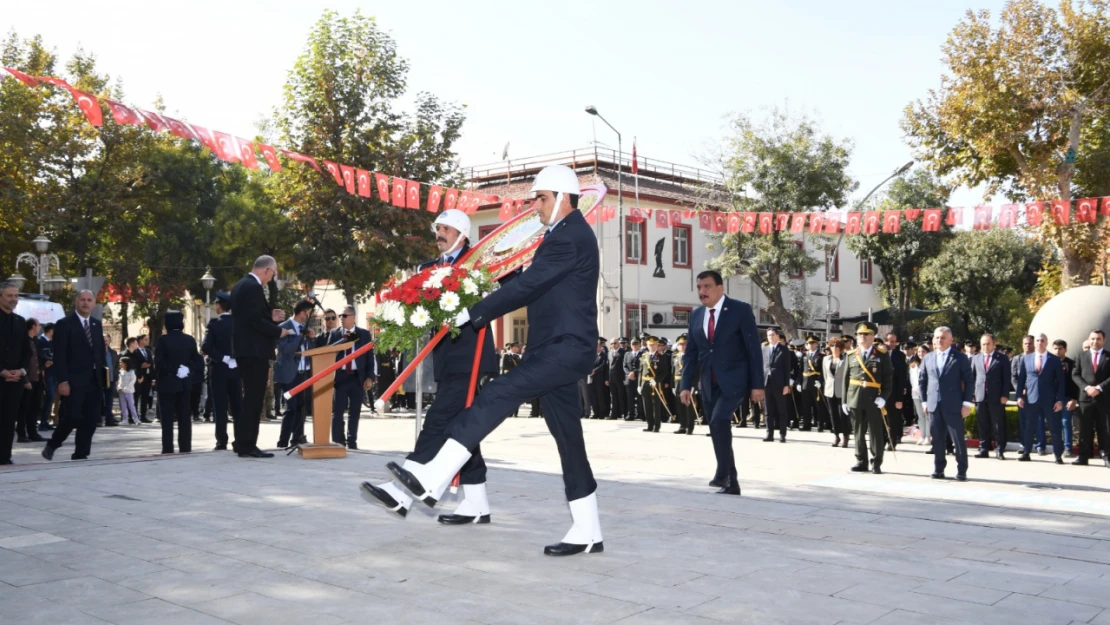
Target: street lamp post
40	266
829	297
207	281
592	110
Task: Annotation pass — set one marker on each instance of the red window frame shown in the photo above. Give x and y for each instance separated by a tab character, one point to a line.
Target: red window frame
866	262
689	246
686	309
642	226
485	230
628	308
836	265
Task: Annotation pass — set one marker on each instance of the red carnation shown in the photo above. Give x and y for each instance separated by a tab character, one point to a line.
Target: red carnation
451	284
431	295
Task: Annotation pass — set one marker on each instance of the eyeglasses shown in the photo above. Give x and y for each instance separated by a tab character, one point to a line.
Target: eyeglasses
345	316
330	318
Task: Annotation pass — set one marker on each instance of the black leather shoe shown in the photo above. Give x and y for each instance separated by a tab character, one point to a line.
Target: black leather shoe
983	453
769	439
961	477
352	446
35	438
145	420
731	489
255	453
937	476
782	438
459	519
876	470
1042	452
648	429
998	454
45	427
1082	462
111	423
1059	460
48	453
860	468
76	457
220	448
718	483
567	549
22	439
409	481
282	444
680	431
1024	458
373	494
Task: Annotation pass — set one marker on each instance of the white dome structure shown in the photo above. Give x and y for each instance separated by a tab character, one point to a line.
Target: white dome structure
1072	315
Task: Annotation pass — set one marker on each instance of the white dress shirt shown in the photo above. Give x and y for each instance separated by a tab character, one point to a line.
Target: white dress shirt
716	308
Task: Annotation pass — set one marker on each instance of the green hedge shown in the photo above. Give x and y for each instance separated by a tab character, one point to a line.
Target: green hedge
1013	425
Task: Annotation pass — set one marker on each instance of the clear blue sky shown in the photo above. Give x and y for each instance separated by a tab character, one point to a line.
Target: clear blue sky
665	72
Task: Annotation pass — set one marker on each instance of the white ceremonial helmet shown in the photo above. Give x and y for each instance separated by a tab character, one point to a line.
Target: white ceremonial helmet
558	179
456	219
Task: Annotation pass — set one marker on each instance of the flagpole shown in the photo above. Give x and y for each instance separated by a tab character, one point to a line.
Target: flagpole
639	295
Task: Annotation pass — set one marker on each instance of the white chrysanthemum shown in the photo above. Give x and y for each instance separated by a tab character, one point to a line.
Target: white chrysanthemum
419	317
449	302
442	272
387	311
470	287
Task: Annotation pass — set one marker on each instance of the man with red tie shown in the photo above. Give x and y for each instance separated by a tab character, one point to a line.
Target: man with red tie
352	381
992	389
1092	375
1040	391
723	347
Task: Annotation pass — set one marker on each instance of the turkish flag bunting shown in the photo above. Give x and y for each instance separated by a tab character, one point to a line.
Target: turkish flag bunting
270	156
1034	213
1105	210
413	191
766	223
871	222
450	199
400	187
892	222
591	217
1007	215
246	153
297	156
720	222
435	196
705	220
506	212
662	219
475	202
831	221
782	221
333	169
634	215
932	220
463	202
955	216
749	223
203	135
852	227
689	214
822	221
604	212
912	214
646	212
676	218
1061	212
23	78
178	128
90	106
797	223
1086	210
225	147
348	174
123	114
381	181
155	122
734	220
982	218
362	178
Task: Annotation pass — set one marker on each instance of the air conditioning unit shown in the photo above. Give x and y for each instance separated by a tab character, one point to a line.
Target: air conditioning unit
657	319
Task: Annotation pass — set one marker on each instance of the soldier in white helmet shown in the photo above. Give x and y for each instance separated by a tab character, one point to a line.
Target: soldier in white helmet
558	289
452	362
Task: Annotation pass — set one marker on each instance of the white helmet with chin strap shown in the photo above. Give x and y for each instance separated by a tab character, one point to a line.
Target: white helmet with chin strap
457	220
560	180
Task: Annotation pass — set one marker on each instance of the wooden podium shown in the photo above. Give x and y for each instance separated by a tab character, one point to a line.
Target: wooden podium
322	392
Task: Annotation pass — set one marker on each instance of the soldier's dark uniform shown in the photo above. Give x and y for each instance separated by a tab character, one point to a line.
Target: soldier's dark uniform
663	375
810	398
632	384
618	398
860	391
644	378
684	413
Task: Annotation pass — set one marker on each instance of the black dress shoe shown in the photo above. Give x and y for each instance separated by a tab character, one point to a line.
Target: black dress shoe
680	431
648	430
22	439
719	482
983	453
409	481
220	448
782	438
1082	462
76	457
1024	458
567	549
352	446
145	420
769	439
111	423
459	519
859	468
375	495
255	453
998	454
46	427
282	444
656	430
1059	460
731	489
961	477
48	452
937	476
164	452
876	470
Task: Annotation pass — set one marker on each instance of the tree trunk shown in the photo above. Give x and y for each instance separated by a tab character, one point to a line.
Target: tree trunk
1077	269
123	320
780	313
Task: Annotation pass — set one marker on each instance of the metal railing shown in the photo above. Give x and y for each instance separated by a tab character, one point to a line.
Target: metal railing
595	159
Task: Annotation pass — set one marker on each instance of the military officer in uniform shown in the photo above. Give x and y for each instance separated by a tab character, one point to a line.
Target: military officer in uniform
618	398
685	414
663	375
668	390
631	367
866	385
224	386
812	405
598	381
645	379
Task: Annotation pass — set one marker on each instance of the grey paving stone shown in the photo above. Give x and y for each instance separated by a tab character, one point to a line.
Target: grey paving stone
85	592
18	569
29	540
963	592
153	611
1040	605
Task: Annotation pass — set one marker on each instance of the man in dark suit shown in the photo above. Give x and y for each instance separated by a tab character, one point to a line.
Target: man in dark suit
111	372
352	381
992	391
618	398
779	369
15	361
895	418
143	361
45	343
723	357
1015	366
178	368
254	332
1071	394
631	367
947	391
809	387
79	367
1040	391
599	382
291	369
559	290
1092	375
224	385
511	360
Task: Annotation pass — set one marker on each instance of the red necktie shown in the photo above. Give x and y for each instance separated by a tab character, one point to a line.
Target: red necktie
712	324
348	366
1096	360
986	367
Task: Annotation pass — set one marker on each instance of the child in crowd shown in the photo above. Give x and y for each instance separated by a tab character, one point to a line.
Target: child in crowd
127	392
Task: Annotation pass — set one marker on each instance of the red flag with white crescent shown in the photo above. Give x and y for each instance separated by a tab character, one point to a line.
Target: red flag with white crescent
634	215
852	227
153	120
720	222
463	201
823	221
735	222
23	78
766	223
506	212
676	218
662	219
412	192
797	222
782	221
362	180
348	174
270	156
749	223
300	158
955	216
1007	215
450	199
57	82
89	105
400	188
203	135
435	196
1034	213
1086	210
124	115
705	220
982	219
932	220
1061	212
225	147
892	222
1105	210
912	214
178	128
831	222
635	161
333	169
246	153
688	214
476	200
871	222
382	182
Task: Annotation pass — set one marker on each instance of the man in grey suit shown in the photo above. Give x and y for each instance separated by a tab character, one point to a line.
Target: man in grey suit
947	388
291	369
992	390
1040	391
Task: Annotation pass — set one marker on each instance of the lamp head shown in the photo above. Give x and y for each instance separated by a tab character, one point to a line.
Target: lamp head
41	244
904	168
208	280
591	109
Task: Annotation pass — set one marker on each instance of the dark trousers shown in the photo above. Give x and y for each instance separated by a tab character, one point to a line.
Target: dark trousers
11	395
1036	414
451	391
109	399
894	420
49	387
143	392
557	387
686	415
651	406
841	423
749	408
254	373
226	392
719	409
174	407
348	399
292	422
953	424
618	400
79	412
869	420
991	416
1093	419
631	401
27	420
811	406
194	399
778	409
599	398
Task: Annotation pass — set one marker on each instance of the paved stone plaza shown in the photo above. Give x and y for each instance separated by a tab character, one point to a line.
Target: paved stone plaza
133	538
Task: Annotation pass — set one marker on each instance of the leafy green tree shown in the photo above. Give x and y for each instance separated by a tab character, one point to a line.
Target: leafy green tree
981	278
900	256
341	104
1023	109
782	164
